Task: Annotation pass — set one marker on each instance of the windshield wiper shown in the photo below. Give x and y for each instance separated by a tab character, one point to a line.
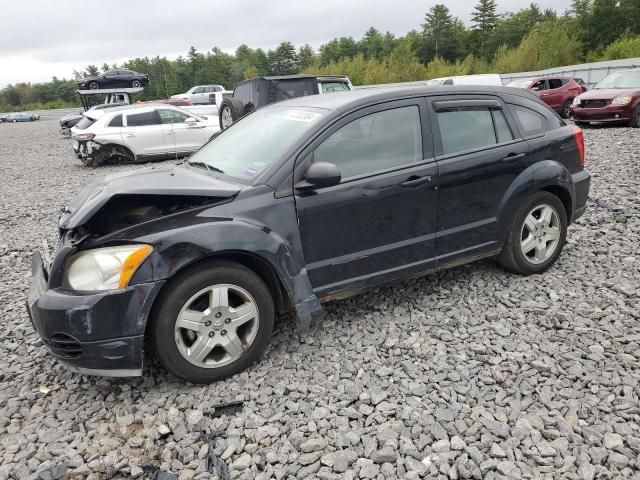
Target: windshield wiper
210	168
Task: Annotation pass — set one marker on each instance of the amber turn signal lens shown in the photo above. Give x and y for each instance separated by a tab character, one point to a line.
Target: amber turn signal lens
131	264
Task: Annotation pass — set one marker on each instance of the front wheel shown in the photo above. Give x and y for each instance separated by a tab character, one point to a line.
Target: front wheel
94	86
213	321
537	235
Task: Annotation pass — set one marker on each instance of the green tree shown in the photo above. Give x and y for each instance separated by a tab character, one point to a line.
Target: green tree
372	44
438	34
306	56
283	60
485	19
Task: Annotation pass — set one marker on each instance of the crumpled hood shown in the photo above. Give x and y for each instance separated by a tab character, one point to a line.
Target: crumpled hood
176	180
608	93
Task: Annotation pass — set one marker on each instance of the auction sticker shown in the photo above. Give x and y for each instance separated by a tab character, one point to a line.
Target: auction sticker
301	116
250	172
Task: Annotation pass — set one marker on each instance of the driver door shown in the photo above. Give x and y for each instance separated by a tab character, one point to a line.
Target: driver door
379	221
187	136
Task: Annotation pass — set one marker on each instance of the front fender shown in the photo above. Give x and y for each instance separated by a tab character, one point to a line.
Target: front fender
181	247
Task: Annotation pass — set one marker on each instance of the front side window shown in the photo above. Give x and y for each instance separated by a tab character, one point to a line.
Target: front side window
199	90
375	142
464	129
111	73
142	119
172	116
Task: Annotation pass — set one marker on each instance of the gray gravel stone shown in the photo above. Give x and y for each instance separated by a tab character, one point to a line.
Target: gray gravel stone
504	375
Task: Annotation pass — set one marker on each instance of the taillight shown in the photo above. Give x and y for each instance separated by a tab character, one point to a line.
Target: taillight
85	137
579	137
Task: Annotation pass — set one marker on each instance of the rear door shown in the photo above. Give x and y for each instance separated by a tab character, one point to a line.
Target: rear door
554	94
145	135
479	155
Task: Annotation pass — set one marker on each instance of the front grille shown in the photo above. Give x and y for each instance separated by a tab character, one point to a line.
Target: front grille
63	345
599	116
594	103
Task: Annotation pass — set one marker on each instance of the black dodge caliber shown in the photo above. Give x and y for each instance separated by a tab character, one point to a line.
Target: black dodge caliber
299	203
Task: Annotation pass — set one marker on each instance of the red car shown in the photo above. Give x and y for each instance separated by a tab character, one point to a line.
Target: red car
558	93
615	99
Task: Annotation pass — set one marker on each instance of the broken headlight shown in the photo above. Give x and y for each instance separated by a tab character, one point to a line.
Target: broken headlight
106	268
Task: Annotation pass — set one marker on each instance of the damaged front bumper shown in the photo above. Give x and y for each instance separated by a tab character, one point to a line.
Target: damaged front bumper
95	333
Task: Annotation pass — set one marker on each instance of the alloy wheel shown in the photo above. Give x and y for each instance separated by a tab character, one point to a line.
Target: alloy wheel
540	234
227	120
216	326
94	86
135	84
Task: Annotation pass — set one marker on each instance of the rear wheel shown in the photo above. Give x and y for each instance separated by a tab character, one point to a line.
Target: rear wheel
537	235
136	84
212	321
231	110
635	120
566	108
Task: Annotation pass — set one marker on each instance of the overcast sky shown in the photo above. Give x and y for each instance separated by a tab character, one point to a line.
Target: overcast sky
42	38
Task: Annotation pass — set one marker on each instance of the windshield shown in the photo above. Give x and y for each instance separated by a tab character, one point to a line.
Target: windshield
329	87
628	79
520	83
262	138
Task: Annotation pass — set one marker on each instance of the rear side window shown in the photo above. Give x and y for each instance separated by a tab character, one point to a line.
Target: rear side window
116	121
531	122
84	123
375	142
555	83
465	129
142	119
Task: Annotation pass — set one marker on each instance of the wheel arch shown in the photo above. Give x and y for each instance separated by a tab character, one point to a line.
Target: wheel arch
260	266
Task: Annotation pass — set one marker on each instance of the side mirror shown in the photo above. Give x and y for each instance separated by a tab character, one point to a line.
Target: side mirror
319	175
191	122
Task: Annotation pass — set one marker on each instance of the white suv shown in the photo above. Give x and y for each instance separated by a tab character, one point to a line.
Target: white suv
140	133
199	94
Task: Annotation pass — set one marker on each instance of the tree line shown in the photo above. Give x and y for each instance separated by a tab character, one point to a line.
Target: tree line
524	40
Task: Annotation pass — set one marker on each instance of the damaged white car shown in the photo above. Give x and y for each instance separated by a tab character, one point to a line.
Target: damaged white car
140	133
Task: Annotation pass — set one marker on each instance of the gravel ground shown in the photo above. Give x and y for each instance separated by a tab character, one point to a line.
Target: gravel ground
471	373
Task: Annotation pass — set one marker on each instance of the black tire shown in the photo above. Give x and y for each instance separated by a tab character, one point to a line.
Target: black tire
635	120
93	86
565	110
176	294
235	108
512	258
136	84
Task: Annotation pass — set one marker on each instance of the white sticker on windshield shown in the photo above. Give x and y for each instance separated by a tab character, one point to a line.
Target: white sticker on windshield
301	116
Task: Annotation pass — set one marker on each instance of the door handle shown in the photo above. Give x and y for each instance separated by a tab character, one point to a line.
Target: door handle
414	181
513	156
131	134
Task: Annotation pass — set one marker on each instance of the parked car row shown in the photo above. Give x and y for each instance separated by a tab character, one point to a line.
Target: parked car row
140	133
200	94
19	117
558	93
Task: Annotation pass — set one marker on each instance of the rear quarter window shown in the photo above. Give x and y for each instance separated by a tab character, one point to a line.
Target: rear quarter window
84	123
529	121
116	121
